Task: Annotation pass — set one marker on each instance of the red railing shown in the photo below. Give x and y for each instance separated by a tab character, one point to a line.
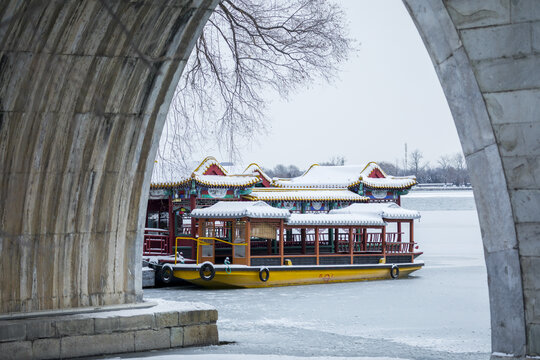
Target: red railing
156	242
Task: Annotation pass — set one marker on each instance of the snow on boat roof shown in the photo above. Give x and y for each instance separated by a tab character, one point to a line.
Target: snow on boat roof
386	210
345	176
254	169
239	209
304	194
335	220
229	180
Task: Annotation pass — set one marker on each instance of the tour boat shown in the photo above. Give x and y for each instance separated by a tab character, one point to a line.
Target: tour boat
246	244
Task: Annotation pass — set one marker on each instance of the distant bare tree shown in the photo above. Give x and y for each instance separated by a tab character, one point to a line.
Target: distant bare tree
282	171
334	161
247	48
416	156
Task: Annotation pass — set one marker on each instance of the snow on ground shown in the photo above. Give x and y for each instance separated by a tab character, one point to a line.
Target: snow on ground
442	312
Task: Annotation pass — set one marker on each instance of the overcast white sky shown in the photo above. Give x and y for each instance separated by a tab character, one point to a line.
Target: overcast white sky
388	94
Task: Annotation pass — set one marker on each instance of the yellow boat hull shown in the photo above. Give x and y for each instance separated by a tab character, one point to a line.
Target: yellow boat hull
249	277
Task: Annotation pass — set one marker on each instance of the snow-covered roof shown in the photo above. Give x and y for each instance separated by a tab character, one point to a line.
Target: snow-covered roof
228	181
335	220
304	194
323	177
345	176
385	210
255	169
206	163
240	209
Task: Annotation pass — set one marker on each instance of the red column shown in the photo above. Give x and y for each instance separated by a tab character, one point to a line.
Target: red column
193	205
351	243
317	244
171	227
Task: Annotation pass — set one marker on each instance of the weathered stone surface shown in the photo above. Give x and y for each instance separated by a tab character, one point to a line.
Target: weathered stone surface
73	326
529	266
148	277
107	325
526	204
200	335
167	319
507	312
536	36
152	339
177	337
10	331
46	348
17	350
440	37
136	322
534	336
198	317
497	41
467	14
525	10
40	328
529	238
514	107
91	345
532	306
508	74
518	139
466	103
522	172
82	111
496	222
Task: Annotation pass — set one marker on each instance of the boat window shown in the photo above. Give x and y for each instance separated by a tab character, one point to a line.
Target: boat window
207	251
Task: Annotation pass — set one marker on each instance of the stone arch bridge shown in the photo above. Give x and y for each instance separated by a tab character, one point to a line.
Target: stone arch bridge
84	90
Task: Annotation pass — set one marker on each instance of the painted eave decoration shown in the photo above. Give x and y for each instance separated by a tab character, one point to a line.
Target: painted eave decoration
391	211
304	194
241	209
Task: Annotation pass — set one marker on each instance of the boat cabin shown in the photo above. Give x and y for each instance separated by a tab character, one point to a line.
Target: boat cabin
257	234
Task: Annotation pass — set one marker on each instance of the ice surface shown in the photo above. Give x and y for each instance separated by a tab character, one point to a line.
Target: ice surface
440	313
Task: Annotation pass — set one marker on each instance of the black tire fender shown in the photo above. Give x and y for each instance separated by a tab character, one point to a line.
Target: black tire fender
264	274
207	271
394	272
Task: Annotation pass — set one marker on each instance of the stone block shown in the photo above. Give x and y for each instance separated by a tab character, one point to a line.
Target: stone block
177	336
467	14
148	277
107	325
16	350
438	31
532	306
46	348
536	36
521	106
525	10
466	103
41	328
166	319
534	340
198	317
152	339
528	235
12	331
497	41
508	74
521	172
198	335
75	326
93	345
530	265
496	222
518	139
506	302
136	322
526	205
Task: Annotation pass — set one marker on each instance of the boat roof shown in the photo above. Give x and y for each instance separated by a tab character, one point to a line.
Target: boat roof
304	194
346	176
240	209
335	220
387	210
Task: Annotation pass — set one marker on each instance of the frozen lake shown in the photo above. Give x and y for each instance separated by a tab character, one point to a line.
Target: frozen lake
440	313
